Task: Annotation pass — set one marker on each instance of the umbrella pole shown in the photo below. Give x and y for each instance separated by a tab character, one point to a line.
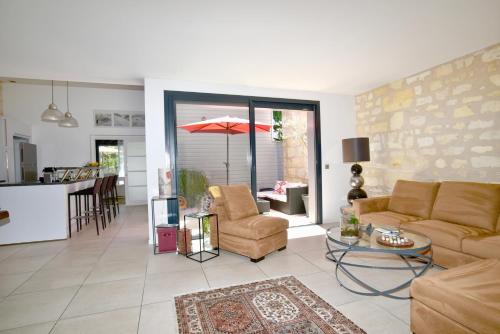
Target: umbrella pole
227	158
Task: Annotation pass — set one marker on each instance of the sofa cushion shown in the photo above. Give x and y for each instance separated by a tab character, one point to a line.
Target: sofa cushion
468	203
238	201
413	198
468	294
385	218
254	227
486	247
444	234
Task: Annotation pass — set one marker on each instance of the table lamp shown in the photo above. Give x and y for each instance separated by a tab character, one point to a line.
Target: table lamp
356	150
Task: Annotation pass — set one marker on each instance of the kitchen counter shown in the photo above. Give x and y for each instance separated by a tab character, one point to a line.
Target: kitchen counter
37	183
37	213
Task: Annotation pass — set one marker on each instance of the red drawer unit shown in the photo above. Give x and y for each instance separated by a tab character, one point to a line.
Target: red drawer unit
167	238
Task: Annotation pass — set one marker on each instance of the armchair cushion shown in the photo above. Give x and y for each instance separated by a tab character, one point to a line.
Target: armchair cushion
413	198
444	234
254	227
468	203
238	201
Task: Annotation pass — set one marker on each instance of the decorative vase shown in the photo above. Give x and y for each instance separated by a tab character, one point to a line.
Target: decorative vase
165	182
349	229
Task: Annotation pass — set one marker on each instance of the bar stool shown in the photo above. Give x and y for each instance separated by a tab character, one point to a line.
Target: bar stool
94	193
114	193
104	195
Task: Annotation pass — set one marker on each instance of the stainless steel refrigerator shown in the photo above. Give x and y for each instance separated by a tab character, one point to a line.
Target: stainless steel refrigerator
27	159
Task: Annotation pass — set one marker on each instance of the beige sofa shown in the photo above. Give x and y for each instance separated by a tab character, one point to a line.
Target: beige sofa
461	218
241	229
461	300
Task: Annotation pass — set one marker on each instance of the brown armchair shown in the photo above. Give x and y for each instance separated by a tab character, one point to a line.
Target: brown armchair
241	229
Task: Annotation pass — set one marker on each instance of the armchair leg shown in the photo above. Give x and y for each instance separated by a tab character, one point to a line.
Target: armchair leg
257	260
282	248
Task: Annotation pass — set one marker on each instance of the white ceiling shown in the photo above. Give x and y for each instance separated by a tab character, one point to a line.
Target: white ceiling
333	46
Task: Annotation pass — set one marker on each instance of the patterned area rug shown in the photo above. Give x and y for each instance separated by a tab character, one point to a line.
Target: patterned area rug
282	305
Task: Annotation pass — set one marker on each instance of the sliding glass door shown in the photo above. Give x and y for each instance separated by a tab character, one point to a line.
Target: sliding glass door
272	145
285	162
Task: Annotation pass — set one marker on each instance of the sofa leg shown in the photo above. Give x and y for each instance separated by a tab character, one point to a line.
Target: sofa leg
257	260
282	248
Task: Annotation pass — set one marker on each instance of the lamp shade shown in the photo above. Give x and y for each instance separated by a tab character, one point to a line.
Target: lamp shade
69	121
356	149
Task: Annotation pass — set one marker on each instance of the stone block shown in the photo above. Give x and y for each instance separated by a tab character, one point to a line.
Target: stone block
417	89
425	141
458	163
397	120
399	100
453	150
460	89
479	124
495	79
379	127
463	111
446	139
485	161
491	54
435	85
417	120
490	106
418	77
434	128
440	163
481	149
443	70
490	135
423	100
442	94
471	99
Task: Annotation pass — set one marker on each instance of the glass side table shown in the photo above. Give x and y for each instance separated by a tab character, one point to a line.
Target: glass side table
202	254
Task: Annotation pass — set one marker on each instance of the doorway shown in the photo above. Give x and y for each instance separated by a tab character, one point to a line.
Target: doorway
110	155
257	160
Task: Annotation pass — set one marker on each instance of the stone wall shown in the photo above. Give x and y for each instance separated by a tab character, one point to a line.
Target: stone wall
295	146
440	124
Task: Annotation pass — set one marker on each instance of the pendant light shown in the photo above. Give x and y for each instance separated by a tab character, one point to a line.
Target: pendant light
52	113
68	121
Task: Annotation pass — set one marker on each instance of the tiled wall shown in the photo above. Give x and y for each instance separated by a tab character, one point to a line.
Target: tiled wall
440	124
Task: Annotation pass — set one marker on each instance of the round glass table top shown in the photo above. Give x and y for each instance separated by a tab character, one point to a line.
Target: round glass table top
366	241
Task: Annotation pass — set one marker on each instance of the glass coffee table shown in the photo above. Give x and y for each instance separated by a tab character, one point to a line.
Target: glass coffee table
415	259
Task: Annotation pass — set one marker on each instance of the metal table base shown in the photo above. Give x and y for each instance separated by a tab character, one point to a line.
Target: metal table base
417	270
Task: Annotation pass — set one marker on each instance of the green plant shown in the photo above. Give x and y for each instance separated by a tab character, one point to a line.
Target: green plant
277	125
193	185
206	225
353	220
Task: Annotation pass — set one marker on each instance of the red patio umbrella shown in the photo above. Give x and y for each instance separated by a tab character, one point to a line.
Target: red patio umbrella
228	125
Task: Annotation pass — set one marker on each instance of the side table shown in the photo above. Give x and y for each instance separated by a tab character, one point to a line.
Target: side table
198	256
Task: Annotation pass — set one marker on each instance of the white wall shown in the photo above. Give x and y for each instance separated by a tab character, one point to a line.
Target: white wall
337	119
25	102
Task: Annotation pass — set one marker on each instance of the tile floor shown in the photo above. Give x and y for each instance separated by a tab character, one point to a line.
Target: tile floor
113	284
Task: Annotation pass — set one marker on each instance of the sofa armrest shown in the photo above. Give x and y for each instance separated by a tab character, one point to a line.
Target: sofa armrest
367	205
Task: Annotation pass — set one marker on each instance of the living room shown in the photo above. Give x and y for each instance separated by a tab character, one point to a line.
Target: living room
400	127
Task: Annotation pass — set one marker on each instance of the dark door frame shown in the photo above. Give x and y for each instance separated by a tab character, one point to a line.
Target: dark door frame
172	97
